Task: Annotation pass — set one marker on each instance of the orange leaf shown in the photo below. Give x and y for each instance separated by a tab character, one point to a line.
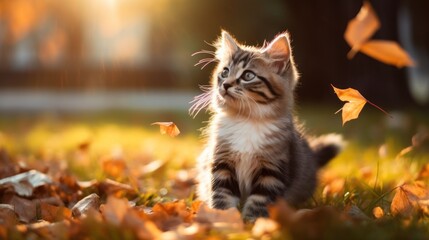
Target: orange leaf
409	199
53	213
354	103
388	52
361	28
168	128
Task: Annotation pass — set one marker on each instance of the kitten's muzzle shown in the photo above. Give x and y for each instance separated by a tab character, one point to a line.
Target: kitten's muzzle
226	86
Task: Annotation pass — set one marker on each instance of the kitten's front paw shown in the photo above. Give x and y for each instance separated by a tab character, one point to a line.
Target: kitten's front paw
251	213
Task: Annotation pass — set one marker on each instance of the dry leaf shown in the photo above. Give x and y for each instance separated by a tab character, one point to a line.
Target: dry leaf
409	199
25	183
378	212
229	219
168	216
354	103
168	128
53	213
8	216
424	172
361	28
110	187
388	52
114	210
143	228
114	167
91	201
264	226
26	209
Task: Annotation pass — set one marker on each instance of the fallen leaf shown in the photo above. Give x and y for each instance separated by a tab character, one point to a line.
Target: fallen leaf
361	28
355	213
110	187
334	187
354	103
424	172
168	216
228	220
151	167
168	128
143	228
26	209
25	183
264	226
46	230
409	199
53	213
91	201
114	167
388	52
8	216
114	210
378	212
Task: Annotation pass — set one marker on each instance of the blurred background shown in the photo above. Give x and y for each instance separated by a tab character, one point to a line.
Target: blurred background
87	55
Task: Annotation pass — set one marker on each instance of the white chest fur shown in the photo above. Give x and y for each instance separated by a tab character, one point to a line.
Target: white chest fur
245	136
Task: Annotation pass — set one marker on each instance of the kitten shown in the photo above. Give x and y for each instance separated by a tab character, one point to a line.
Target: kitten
255	151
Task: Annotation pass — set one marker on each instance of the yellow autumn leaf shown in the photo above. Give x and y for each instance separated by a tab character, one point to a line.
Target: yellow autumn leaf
354	103
361	28
169	128
388	52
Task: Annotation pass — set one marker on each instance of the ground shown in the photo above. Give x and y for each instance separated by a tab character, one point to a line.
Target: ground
113	175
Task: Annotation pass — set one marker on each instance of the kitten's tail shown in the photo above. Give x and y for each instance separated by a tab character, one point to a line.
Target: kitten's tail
326	147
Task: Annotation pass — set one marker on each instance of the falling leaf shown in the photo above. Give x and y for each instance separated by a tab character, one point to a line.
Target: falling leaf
358	33
91	201
25	183
354	103
378	212
168	128
409	199
388	52
361	28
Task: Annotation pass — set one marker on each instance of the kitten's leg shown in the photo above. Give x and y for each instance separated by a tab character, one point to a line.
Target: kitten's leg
267	185
225	189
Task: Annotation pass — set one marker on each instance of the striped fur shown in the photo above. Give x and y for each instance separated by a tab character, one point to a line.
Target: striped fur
255	153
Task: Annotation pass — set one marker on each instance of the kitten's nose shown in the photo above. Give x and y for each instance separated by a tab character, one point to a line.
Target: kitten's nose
226	86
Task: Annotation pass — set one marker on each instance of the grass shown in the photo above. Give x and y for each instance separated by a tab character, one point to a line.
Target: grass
365	174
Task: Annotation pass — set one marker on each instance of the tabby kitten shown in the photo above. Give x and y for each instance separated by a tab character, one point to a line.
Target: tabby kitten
255	151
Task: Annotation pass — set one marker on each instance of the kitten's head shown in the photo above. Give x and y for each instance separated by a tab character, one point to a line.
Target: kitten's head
253	82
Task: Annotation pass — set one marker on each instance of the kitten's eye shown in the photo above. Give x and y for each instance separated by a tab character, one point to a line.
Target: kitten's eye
248	75
224	73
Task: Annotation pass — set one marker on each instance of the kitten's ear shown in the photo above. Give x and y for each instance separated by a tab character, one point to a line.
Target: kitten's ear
227	45
279	52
